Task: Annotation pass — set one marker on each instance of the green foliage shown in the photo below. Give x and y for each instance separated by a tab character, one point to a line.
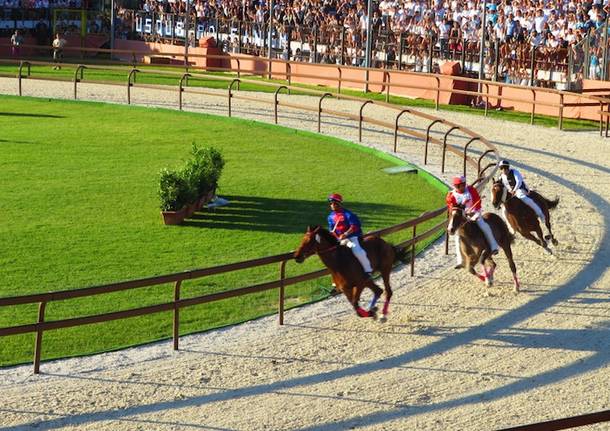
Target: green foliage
175	189
204	168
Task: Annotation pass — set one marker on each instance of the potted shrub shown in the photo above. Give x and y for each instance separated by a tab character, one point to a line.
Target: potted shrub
205	167
175	193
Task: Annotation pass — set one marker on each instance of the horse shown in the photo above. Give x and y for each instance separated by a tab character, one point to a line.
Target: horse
346	271
474	246
521	217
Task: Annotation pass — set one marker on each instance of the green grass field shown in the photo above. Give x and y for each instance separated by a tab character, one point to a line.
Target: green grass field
207	80
80	208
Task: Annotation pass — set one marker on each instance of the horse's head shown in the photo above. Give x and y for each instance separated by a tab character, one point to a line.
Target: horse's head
309	244
498	193
457	217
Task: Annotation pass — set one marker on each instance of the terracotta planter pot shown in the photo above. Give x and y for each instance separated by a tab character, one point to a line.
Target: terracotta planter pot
174	217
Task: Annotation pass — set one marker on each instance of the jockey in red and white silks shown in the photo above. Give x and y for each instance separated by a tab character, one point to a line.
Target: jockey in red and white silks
468	197
514	184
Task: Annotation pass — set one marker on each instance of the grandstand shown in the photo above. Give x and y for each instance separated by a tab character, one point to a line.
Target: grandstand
554	44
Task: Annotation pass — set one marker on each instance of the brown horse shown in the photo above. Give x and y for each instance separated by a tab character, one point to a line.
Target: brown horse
522	218
346	271
474	246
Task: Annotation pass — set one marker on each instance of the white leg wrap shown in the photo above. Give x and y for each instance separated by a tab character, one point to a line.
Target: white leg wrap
359	252
488	233
458	253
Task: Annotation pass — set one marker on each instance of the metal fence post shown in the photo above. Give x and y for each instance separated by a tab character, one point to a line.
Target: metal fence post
604	73
413	251
181	89
39	331
282	292
533	66
342	45
275	101
131	79
496	58
400	50
360	120
445	147
320	108
176	328
570	68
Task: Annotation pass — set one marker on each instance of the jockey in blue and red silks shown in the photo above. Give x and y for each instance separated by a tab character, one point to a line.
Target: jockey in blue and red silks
345	226
468	197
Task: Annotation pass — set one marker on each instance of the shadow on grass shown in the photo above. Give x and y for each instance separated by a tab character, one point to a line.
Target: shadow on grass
290	215
23	114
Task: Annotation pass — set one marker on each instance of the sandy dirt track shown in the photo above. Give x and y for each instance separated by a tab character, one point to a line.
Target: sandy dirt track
449	358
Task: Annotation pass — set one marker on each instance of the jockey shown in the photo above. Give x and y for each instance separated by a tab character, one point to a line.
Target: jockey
345	226
514	184
468	197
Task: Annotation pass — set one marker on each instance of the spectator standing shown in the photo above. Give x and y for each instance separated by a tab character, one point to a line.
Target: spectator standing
58	50
16	42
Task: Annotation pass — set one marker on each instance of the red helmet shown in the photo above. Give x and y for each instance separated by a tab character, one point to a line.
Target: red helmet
336	197
459	180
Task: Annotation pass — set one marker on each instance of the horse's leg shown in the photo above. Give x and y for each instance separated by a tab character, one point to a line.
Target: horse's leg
547	217
542	240
488	273
377	291
388	293
528	235
511	262
355	300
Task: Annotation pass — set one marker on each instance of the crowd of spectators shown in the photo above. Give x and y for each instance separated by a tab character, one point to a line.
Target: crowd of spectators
449	27
552	27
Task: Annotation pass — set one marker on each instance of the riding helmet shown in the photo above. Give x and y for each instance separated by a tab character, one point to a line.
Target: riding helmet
459	180
335	197
504	164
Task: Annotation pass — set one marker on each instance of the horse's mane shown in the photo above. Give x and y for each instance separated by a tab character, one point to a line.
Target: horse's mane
324	233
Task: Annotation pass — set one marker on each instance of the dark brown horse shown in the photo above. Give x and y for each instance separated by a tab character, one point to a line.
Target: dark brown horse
521	217
474	246
346	271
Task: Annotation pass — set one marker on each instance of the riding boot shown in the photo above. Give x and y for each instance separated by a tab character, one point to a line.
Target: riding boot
459	259
489	236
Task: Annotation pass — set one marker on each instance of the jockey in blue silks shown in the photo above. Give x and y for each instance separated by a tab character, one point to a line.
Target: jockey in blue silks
345	226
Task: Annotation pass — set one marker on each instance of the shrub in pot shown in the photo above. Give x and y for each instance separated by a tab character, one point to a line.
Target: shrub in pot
175	193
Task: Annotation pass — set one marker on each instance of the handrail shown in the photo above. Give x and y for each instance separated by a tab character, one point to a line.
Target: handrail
275	100
80	68
404	111
320	108
282	259
238	80
131	80
361	118
20	74
428	138
466	150
445	146
181	88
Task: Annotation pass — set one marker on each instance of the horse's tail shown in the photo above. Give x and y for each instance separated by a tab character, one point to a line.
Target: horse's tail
401	254
551	204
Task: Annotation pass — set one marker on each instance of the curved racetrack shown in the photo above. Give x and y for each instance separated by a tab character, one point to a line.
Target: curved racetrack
450	357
